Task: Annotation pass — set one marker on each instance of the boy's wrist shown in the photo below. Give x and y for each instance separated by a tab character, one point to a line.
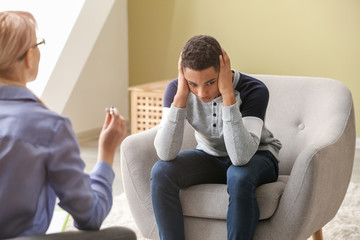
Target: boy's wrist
228	98
180	101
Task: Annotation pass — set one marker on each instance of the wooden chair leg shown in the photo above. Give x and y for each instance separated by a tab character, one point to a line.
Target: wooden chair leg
318	235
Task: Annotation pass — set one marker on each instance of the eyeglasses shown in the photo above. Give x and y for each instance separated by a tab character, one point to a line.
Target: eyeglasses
39	42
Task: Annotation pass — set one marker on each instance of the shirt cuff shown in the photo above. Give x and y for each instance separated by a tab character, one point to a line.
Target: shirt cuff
231	113
176	114
104	171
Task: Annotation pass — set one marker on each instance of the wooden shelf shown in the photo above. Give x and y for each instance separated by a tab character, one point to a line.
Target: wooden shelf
146	105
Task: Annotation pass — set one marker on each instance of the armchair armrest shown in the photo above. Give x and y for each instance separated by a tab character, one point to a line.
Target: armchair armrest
317	186
138	156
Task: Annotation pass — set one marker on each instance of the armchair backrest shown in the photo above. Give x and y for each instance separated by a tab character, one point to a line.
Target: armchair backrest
303	113
306	113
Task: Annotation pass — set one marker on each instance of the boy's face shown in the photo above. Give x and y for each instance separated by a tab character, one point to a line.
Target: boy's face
203	84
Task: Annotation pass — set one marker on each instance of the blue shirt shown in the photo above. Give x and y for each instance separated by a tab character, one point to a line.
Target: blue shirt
39	160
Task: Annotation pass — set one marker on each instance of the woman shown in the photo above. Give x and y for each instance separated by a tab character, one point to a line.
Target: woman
39	153
227	110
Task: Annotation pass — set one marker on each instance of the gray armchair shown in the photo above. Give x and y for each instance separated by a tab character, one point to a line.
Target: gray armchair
314	120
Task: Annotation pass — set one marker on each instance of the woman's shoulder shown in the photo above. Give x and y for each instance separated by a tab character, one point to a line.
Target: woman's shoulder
33	123
40	112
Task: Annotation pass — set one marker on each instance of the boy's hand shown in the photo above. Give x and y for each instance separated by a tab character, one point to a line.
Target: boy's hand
183	90
225	80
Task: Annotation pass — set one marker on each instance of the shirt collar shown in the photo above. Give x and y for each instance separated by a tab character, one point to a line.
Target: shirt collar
236	78
12	93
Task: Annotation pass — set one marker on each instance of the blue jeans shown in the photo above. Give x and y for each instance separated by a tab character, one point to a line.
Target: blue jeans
193	167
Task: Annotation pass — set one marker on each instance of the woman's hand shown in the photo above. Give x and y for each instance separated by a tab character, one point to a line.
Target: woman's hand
225	80
183	90
113	133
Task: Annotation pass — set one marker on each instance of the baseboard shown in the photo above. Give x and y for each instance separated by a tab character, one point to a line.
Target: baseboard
94	133
357	143
88	135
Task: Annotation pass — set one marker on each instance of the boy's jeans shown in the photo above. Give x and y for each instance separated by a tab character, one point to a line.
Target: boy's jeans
193	167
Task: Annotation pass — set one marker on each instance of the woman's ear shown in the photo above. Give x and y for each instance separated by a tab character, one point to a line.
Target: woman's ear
28	59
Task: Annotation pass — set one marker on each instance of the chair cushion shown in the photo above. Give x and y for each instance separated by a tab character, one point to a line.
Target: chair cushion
211	200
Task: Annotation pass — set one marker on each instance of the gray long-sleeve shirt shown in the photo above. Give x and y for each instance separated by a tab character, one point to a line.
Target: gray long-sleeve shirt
237	131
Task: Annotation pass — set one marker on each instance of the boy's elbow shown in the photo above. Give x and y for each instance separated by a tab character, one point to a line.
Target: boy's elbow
239	161
165	156
164	153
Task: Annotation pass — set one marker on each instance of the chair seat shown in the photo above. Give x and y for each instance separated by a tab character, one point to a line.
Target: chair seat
211	200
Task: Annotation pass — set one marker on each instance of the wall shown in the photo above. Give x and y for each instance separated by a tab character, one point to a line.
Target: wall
282	37
103	81
52	26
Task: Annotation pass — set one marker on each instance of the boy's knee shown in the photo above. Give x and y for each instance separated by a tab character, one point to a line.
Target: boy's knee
239	180
157	170
161	174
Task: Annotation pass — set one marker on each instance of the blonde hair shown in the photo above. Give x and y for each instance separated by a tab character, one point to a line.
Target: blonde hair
17	29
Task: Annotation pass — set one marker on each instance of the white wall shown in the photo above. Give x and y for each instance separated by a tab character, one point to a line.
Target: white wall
103	81
51	25
84	65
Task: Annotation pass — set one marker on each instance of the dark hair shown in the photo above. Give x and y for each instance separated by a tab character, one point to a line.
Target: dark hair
201	52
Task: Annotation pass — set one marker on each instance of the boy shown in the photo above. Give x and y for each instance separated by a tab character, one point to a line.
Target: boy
227	111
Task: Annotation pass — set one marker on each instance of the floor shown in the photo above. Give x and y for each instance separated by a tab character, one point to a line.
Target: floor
356	169
89	155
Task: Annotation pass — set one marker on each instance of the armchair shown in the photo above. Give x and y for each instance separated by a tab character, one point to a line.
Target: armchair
314	120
